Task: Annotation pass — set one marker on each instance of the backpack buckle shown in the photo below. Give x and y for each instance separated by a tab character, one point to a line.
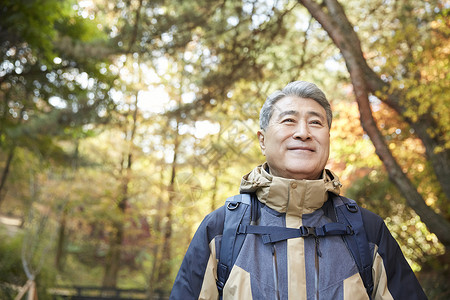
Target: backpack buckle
350	230
352	207
233	205
220	286
307	231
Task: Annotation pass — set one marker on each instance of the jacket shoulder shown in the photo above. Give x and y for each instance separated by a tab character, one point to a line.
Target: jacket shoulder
190	277
212	224
373	225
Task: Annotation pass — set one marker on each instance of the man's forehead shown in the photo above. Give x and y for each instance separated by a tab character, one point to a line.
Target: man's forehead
289	109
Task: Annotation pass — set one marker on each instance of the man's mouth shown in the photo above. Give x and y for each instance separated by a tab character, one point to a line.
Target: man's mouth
301	148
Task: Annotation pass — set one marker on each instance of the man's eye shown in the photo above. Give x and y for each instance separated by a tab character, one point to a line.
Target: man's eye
289	120
316	122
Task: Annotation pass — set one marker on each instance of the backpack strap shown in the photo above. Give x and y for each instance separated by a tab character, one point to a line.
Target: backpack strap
348	212
237	211
241	209
273	234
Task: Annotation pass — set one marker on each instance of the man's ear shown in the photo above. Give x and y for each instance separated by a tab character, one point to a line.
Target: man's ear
261	141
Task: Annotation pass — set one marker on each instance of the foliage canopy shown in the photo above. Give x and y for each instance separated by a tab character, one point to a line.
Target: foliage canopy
131	120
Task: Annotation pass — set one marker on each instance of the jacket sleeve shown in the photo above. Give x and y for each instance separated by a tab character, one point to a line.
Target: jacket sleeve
393	277
196	270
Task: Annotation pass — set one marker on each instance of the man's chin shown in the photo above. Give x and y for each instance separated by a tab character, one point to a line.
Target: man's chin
300	174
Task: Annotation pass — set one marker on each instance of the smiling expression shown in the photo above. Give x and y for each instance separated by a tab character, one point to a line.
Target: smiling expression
296	142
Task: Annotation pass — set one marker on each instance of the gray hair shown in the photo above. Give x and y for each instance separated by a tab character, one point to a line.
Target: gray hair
300	89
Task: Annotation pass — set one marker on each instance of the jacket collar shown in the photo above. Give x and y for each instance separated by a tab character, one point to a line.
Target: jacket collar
294	197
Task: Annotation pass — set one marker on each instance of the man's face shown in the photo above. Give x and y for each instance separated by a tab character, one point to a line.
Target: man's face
296	142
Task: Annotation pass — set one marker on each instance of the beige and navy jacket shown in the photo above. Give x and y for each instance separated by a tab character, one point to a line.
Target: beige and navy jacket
292	269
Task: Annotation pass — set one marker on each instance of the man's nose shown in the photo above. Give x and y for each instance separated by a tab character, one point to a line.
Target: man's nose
302	131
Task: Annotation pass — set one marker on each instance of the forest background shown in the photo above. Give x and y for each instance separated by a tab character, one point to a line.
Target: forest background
124	122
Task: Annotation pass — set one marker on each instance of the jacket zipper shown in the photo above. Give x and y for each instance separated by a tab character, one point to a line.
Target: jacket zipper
275	272
317	254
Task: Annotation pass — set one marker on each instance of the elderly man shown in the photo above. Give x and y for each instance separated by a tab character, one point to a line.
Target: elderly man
294	244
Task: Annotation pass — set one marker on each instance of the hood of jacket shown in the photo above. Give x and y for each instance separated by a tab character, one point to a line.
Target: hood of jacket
290	196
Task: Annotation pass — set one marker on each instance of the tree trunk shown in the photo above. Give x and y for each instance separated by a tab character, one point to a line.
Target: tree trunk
61	241
440	160
5	173
157	253
112	266
338	27
215	184
156	265
163	280
62	233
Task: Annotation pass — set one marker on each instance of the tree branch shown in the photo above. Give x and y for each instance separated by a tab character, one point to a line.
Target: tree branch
341	32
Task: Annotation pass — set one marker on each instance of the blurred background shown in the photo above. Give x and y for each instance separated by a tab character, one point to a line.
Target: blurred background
124	122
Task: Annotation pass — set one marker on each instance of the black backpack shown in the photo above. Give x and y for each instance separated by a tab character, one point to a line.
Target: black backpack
242	209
